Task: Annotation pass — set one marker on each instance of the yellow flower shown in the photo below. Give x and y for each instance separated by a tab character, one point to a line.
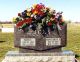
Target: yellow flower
14	19
28	14
34	5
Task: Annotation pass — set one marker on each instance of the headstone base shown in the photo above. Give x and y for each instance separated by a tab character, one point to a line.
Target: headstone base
16	56
40	51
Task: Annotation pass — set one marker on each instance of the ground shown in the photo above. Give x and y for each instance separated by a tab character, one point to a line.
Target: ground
73	40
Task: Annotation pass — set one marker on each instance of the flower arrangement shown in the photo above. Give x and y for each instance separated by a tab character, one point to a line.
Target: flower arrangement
41	17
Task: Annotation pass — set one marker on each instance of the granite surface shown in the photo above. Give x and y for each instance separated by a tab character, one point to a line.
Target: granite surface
16	56
40	43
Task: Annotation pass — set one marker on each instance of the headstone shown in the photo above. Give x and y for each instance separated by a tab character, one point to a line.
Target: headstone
35	41
40	37
33	47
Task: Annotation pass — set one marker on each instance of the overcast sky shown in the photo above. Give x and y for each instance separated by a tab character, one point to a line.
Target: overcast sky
10	8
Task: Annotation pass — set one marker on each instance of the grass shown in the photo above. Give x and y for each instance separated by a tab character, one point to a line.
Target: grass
6	43
73	40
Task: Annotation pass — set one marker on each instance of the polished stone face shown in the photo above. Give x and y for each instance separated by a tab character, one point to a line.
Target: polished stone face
53	41
28	42
33	40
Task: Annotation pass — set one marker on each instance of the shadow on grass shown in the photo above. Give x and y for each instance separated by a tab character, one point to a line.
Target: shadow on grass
77	56
2	41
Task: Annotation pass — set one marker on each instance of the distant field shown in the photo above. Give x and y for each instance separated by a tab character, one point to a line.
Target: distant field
7	25
73	40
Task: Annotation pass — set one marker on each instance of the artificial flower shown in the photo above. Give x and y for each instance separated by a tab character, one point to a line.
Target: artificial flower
39	16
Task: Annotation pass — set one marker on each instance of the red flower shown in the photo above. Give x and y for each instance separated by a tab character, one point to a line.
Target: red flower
38	9
20	23
29	20
49	23
41	13
19	14
40	6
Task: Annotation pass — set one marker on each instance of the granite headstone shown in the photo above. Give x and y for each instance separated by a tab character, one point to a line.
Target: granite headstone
33	41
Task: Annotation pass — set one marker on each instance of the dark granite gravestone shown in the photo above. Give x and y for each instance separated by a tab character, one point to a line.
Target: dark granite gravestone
34	47
35	42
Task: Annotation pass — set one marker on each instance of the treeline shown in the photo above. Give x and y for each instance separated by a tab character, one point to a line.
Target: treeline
8	22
